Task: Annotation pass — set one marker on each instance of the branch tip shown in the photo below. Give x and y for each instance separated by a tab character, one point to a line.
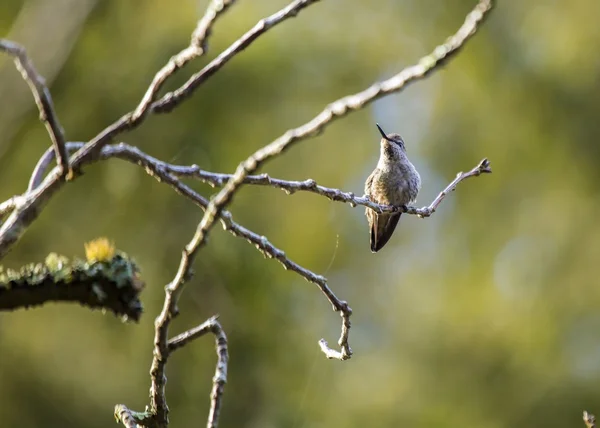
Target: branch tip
589	420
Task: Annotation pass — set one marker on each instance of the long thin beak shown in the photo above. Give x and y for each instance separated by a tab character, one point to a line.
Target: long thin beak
382	133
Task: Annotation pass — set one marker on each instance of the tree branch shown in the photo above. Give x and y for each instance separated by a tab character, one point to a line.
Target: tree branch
196	48
172	99
111	285
482	168
204	28
43	100
135	155
213	326
310	185
130	418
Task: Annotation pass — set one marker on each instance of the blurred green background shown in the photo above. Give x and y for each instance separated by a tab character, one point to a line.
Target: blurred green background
486	314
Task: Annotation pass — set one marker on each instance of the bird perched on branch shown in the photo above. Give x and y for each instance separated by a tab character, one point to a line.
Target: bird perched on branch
395	181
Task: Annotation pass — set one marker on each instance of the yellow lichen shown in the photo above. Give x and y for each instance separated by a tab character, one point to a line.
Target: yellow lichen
99	250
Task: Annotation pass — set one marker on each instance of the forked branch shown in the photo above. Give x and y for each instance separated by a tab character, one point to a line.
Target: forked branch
213	326
130	418
197	47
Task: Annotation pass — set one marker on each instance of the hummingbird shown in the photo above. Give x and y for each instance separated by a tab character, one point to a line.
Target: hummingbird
395	181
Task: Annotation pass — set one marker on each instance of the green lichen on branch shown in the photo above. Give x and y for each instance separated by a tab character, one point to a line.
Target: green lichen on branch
112	284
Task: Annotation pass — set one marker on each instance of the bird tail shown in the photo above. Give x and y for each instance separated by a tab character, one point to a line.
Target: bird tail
382	228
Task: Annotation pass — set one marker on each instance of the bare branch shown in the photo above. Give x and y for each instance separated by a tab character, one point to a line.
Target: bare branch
482	168
188	336
133	154
310	185
196	48
589	419
172	99
213	326
214	10
150	418
43	100
345	352
158	401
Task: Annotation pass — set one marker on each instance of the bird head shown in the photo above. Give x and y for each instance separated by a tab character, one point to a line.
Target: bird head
392	145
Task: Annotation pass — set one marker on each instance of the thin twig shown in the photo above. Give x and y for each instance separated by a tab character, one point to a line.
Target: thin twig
213	326
204	27
196	48
482	168
172	99
345	352
135	155
43	100
589	419
310	185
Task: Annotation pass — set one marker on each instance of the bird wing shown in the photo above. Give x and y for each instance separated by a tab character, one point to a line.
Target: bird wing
369	183
382	228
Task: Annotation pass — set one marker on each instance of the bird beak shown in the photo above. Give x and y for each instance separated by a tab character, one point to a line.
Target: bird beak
382	133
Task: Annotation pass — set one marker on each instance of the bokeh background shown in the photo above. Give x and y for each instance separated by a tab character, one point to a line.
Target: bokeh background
486	314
